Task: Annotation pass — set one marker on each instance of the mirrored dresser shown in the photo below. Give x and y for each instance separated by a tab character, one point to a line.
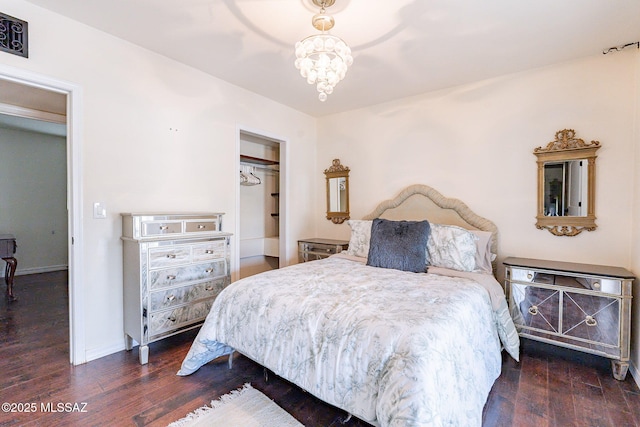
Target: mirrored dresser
579	306
174	267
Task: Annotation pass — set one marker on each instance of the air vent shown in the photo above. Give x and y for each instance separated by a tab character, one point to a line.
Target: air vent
13	35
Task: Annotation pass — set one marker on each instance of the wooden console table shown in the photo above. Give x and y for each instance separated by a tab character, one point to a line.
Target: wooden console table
7	249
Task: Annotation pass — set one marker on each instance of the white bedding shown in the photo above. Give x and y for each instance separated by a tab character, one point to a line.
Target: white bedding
390	347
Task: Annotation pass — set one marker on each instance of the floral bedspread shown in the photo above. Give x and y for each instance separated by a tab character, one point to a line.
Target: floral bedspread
390	347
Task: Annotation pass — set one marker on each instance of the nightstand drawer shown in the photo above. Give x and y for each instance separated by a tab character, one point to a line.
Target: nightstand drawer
535	308
314	249
598	284
320	249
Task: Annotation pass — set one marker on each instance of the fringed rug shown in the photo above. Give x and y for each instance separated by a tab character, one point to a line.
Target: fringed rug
246	407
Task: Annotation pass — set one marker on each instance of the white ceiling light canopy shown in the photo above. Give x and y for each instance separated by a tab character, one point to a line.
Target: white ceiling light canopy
323	59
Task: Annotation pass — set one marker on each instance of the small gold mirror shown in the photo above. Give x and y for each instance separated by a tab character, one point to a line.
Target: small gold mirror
566	185
337	192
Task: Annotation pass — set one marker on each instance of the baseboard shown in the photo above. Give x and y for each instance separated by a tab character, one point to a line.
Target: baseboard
36	270
103	351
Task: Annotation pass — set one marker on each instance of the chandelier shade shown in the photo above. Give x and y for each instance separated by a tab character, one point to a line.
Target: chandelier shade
323	59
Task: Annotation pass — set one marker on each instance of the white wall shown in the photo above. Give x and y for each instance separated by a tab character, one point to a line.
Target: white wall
157	135
476	142
33	198
635	232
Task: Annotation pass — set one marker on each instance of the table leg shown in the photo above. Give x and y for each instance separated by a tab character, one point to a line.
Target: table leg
9	274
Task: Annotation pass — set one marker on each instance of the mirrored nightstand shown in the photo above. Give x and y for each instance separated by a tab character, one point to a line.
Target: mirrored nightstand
579	306
313	249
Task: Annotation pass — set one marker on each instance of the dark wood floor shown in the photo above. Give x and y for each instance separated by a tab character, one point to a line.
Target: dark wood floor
549	387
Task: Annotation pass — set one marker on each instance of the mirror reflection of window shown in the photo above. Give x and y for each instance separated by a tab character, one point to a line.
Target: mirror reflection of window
336	194
565	188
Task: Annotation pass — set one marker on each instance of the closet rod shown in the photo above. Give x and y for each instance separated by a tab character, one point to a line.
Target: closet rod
253	165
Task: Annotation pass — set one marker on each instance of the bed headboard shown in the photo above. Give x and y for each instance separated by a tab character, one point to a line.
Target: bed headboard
419	202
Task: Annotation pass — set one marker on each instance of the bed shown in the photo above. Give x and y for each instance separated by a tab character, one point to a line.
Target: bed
368	330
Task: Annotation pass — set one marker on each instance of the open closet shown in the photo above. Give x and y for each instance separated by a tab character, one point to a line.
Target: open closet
259	179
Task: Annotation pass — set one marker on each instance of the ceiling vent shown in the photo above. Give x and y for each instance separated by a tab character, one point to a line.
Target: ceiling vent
13	35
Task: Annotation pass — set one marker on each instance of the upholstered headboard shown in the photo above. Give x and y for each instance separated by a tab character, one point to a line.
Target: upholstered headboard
419	202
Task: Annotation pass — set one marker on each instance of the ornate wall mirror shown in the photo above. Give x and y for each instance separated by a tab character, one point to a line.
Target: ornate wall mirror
566	185
337	192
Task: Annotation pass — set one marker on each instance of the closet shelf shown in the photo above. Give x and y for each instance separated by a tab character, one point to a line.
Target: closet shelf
257	160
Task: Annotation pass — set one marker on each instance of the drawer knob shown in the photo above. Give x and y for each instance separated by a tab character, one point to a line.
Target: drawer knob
209	270
164	227
201	227
171	256
596	285
590	321
208	252
533	309
171	277
171	298
171	318
208	288
529	276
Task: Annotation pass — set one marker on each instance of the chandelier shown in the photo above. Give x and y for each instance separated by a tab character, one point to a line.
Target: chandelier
323	59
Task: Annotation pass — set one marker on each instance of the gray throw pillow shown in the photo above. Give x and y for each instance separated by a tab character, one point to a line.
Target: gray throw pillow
400	245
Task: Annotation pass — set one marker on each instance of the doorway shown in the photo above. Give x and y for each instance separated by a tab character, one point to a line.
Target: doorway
261	226
34	89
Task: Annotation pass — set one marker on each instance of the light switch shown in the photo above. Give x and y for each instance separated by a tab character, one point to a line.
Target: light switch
99	210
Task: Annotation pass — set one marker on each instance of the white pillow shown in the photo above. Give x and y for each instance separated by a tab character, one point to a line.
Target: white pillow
484	257
360	237
453	247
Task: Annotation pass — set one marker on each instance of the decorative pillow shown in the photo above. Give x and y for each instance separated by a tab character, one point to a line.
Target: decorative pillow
360	237
453	247
399	245
484	257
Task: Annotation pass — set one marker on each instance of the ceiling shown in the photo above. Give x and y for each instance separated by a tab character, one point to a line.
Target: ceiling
400	47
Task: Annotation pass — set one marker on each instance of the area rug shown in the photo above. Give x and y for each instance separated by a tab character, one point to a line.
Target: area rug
245	407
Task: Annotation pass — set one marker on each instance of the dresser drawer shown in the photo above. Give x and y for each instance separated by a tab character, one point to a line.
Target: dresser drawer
168	320
165	256
168	298
189	273
202	226
210	250
161	228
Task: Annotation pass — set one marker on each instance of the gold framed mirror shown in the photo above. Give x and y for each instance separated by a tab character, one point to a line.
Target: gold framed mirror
337	192
566	184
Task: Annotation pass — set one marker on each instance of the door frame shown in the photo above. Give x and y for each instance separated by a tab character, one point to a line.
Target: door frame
77	326
283	247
